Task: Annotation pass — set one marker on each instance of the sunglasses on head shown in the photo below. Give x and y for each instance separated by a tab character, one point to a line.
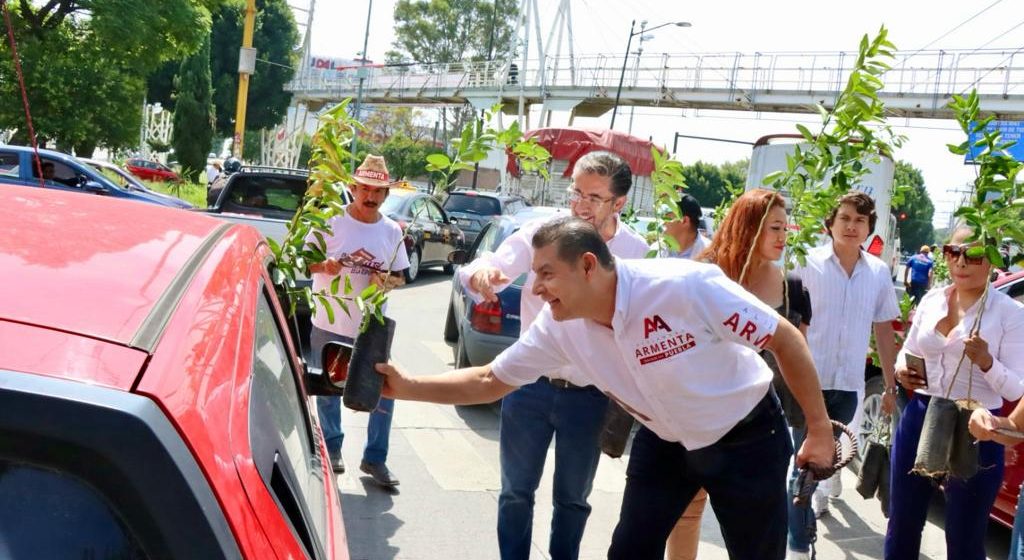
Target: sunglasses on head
955	251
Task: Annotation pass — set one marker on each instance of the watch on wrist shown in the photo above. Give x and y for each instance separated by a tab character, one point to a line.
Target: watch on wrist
891	390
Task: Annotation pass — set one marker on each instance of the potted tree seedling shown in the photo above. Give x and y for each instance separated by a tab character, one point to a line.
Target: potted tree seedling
305	243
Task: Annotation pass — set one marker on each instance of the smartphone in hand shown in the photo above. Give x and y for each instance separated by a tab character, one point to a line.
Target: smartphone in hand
916	365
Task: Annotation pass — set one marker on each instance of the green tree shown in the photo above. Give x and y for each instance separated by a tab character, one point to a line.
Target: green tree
407	159
916	228
385	122
708	182
453	30
84	64
193	113
275	37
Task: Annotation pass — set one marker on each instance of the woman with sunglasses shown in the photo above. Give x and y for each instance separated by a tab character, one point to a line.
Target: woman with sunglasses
946	328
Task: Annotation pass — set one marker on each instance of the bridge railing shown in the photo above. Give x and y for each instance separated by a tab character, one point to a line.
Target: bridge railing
920	73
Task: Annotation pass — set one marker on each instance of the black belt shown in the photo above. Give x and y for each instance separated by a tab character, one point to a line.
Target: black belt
562	383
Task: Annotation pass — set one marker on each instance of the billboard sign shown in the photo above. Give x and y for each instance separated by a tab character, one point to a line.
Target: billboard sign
1011	132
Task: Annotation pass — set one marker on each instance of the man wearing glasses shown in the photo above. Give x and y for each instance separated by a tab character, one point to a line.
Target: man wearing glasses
533	414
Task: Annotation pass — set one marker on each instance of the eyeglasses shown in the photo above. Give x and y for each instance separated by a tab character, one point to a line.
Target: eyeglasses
953	252
575	197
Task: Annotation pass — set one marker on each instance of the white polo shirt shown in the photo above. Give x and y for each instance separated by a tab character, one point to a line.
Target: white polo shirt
514	257
681	355
845	307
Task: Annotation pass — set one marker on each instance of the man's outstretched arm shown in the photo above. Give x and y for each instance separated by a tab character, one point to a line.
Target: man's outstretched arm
473	385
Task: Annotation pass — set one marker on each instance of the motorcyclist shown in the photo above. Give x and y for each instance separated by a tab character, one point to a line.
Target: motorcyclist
232	165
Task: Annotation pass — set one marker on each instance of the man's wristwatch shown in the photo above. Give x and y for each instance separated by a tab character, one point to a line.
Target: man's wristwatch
891	390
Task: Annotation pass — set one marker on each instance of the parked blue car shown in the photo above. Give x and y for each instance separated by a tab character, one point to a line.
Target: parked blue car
64	172
481	331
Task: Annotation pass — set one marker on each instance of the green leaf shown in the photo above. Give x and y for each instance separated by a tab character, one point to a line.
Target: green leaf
439	161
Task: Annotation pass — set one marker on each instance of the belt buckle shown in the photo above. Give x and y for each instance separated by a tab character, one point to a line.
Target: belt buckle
560	383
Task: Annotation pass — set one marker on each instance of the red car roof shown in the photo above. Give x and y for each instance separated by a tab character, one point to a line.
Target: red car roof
91	265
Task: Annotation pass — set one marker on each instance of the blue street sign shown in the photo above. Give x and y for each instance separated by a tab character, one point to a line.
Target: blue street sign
1011	132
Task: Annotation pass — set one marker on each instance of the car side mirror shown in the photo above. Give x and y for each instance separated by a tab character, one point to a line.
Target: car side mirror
93	187
330	381
458	256
335	357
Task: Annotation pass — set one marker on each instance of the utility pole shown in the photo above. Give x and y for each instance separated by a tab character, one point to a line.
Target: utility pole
246	67
361	72
490	55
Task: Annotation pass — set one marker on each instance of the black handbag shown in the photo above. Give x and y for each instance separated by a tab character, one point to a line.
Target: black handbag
873	479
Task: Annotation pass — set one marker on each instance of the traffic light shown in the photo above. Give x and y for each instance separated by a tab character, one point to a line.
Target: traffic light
902	216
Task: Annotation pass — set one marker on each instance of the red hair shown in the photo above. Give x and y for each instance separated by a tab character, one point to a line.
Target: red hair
734	239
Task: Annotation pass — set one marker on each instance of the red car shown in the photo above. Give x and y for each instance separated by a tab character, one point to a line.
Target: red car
151	170
1006	500
152	399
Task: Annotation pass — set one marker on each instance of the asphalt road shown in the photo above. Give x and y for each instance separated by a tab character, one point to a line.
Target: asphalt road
447	460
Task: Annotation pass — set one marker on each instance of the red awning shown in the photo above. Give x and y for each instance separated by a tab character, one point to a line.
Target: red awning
570	144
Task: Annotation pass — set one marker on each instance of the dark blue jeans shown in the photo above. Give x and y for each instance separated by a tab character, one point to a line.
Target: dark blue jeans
378	431
530	417
968	502
744	474
841	407
917	291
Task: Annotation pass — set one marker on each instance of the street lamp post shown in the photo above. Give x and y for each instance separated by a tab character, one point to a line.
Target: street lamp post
625	59
361	73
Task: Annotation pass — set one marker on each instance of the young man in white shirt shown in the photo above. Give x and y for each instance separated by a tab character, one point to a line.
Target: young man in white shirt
366	247
675	342
851	294
554	404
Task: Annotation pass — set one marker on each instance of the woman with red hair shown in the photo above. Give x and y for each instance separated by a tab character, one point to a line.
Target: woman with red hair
748	246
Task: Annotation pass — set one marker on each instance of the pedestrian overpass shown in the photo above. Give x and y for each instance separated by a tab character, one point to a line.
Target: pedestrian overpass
920	83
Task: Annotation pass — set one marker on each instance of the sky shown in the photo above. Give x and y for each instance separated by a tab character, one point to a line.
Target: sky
602	26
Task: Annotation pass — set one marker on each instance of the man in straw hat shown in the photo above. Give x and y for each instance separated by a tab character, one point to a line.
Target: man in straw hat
366	247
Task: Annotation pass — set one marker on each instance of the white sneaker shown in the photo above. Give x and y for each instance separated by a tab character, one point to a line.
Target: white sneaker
794	555
819	502
835	485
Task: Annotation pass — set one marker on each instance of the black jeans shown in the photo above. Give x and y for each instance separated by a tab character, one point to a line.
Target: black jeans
744	474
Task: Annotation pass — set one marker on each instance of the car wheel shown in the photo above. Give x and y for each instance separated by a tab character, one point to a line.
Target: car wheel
413	271
451	328
461	358
871	413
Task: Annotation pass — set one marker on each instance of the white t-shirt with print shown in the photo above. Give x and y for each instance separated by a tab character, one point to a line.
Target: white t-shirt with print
362	249
681	356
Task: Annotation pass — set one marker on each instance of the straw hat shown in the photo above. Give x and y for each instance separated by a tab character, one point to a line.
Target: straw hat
373	173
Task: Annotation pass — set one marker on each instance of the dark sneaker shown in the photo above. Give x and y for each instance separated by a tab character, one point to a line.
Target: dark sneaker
379	472
337	463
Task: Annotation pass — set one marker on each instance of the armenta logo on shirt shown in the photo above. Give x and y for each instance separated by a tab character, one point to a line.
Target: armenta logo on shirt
748	330
664	345
361	262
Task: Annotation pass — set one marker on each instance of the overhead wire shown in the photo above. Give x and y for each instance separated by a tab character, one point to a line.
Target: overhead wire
947	33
